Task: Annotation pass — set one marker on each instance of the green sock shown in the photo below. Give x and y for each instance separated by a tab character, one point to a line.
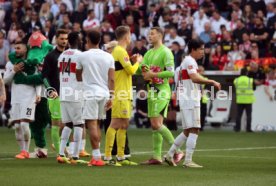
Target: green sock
157	141
55	137
166	134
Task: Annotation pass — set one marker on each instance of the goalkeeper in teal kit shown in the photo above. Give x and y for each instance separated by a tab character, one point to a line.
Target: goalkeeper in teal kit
156	68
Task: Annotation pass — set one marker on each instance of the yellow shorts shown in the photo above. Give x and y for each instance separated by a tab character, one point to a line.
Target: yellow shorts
121	109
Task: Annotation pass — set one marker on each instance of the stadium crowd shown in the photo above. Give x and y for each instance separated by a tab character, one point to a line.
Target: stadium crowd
232	30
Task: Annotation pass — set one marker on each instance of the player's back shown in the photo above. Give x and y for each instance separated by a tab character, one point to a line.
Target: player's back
67	63
123	80
95	66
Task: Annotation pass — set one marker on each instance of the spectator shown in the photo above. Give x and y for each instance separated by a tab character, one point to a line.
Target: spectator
245	46
255	54
213	40
257	5
66	21
226	42
62	11
49	30
205	36
217	21
134	28
270	23
248	16
99	8
255	72
219	59
115	18
200	21
239	31
139	48
270	10
185	32
233	21
260	35
164	20
153	16
178	54
45	13
55	8
91	21
4	50
33	22
273	42
205	62
234	55
271	82
12	34
141	114
13	14
174	37
27	16
143	28
79	15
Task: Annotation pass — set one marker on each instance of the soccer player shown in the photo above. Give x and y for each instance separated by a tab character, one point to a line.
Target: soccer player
70	99
96	69
122	103
157	68
23	100
189	102
50	74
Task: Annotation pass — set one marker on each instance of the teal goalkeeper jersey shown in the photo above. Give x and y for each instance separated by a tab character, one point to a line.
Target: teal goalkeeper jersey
159	60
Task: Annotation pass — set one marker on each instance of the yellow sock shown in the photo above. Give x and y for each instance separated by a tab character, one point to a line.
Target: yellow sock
109	141
121	142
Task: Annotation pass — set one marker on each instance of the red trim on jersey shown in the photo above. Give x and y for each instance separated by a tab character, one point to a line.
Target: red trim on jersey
222	109
73	66
184	74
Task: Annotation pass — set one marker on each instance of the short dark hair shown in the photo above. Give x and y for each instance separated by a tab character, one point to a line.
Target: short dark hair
121	31
194	44
94	37
158	29
61	31
73	38
90	11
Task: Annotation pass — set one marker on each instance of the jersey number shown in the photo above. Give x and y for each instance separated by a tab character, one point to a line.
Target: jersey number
66	66
29	112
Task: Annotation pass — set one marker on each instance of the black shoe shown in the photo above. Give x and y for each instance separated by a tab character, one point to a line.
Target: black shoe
249	130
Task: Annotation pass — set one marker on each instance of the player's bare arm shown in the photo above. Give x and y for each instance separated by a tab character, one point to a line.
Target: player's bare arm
196	78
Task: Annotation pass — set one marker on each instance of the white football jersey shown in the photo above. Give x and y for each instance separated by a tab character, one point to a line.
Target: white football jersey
20	93
95	64
189	93
70	88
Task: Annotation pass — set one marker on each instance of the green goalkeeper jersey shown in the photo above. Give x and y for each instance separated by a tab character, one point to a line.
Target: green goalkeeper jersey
161	61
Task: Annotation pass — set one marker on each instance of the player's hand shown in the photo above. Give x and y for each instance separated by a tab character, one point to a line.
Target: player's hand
136	58
37	99
53	95
2	99
148	75
18	67
108	105
217	85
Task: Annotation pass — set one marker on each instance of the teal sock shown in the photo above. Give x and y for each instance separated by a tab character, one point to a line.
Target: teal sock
55	137
166	134
157	141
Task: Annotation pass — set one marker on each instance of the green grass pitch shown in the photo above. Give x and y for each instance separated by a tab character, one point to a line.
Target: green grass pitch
228	158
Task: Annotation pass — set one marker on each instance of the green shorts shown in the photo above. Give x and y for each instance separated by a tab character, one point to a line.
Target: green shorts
54	107
158	107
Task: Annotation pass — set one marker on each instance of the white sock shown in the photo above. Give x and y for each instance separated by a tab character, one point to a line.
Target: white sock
190	146
178	142
71	147
26	135
64	139
96	154
19	136
82	146
77	139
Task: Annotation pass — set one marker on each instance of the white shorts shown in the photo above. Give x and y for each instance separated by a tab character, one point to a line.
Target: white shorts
71	112
21	111
191	118
94	109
